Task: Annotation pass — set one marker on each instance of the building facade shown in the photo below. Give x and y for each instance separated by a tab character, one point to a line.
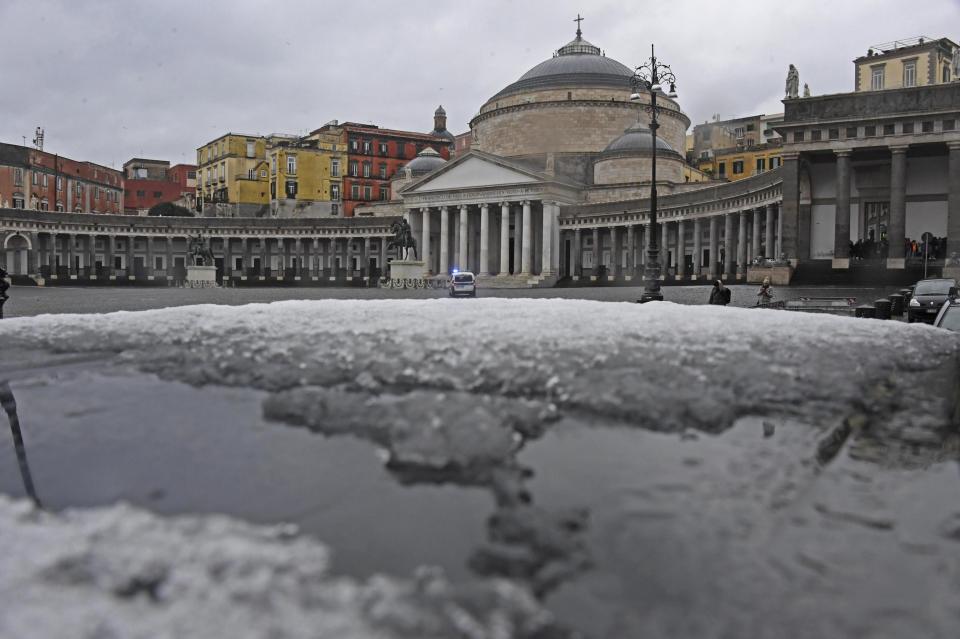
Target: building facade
903	64
42	181
151	182
738	148
306	175
232	175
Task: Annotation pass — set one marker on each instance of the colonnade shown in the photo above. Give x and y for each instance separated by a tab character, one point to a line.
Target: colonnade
506	238
94	256
705	247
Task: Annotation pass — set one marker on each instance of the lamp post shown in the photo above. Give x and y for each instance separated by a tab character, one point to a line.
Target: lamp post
649	77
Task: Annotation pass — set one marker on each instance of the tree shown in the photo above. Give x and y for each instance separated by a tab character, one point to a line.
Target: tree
169	209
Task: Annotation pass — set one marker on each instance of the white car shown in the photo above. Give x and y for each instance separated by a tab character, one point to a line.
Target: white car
463	283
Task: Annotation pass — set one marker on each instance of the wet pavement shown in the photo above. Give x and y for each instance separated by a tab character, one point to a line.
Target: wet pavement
31	300
655	470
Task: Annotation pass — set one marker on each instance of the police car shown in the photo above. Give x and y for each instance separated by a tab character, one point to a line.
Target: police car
463	283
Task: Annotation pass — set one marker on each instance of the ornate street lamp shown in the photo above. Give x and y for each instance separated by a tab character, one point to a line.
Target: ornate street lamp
649	77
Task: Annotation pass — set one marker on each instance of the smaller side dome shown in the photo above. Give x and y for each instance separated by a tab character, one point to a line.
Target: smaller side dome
636	138
426	161
440	111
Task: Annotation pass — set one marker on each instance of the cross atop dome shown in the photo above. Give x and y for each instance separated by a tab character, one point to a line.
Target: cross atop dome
578	20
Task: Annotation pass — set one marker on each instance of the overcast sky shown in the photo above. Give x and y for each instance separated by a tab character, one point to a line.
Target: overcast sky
110	80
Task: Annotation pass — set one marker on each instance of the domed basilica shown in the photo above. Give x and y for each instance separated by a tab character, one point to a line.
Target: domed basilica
549	154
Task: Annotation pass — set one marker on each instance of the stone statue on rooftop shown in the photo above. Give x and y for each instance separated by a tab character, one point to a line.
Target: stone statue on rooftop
806	90
956	63
793	82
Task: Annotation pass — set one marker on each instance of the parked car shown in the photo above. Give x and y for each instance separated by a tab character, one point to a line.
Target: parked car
928	297
463	283
949	316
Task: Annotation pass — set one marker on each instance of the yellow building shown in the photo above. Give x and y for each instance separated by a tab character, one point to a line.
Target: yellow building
742	162
305	175
232	170
914	62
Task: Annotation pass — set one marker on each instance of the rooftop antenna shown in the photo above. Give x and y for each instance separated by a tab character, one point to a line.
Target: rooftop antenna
38	139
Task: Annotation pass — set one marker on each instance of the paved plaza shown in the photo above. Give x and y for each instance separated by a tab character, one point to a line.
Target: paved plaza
28	301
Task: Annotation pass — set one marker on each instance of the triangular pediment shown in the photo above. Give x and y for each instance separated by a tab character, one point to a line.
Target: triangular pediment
470	172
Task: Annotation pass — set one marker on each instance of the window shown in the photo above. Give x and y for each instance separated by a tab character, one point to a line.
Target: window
291	188
876	79
366	146
44	205
44	179
948	125
59	207
366	169
291	165
946	73
334	209
749	127
251	149
908	127
96	192
263	173
738	132
353	168
383	148
927	126
775	163
354	145
18	201
816	135
761	165
401	149
367	192
383	171
737	167
798	136
750	141
191	175
722	169
334	192
888	129
869	131
355	192
158	194
334	167
910	73
273	165
59	183
141	193
834	134
251	174
18	177
384	193
33	178
851	132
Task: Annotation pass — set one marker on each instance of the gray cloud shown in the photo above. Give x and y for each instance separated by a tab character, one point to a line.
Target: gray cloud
116	79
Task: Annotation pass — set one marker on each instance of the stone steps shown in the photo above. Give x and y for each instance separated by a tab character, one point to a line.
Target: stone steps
516	281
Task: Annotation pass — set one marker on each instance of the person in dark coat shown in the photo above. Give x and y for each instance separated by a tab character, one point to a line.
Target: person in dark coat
720	295
4	284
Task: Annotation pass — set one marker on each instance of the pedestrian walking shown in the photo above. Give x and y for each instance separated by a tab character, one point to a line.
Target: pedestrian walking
720	295
4	284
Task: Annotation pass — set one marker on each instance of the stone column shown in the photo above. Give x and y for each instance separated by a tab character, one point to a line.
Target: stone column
768	248
841	229
108	254
575	252
504	238
631	251
168	245
953	199
664	249
425	241
91	257
614	252
303	269
697	249
897	229
247	257
462	263
227	258
131	274
742	246
681	251
366	248
597	252
264	256
778	240
444	240
484	239
789	223
757	223
149	259
70	240
728	270
526	251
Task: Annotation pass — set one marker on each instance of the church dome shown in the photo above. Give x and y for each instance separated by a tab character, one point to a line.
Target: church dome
577	63
638	138
426	161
